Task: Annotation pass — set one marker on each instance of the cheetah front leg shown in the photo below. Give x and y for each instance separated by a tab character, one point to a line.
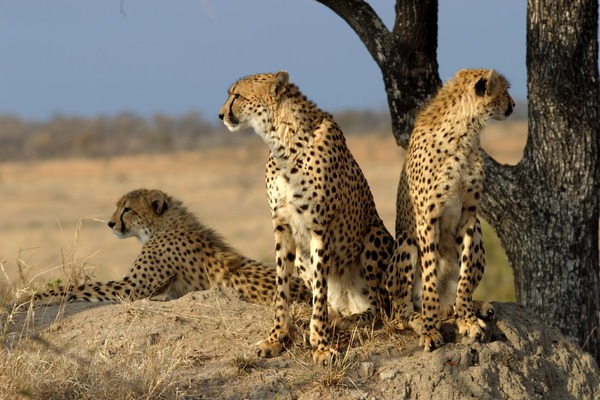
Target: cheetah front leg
483	309
285	253
131	287
428	234
472	265
320	329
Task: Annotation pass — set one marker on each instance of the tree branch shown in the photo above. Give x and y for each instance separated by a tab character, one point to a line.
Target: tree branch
501	197
366	23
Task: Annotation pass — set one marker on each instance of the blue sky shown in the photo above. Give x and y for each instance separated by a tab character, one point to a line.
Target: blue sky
89	58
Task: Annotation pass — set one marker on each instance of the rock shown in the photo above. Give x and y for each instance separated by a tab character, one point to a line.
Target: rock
387	375
365	369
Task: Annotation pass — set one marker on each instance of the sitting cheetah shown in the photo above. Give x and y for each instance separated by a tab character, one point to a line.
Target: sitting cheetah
323	213
438	235
179	255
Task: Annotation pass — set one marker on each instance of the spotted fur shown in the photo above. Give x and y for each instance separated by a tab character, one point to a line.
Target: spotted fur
179	255
439	257
323	213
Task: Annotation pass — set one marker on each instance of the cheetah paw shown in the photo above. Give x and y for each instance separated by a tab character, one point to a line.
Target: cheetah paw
324	356
269	348
471	327
484	310
431	340
414	322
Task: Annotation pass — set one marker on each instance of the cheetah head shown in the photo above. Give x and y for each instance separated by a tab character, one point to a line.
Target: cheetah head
491	89
137	214
252	99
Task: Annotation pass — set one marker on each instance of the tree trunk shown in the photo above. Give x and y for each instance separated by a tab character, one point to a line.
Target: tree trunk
406	55
545	209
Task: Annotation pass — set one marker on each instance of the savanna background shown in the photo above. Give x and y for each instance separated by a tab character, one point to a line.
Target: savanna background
61	178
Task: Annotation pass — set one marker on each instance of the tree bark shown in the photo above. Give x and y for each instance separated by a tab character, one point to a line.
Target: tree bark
545	209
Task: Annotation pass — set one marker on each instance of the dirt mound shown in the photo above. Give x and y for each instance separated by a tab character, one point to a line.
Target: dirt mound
201	346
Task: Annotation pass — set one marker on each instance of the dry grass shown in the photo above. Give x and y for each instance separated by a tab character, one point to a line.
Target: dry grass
47	372
245	364
353	348
34	368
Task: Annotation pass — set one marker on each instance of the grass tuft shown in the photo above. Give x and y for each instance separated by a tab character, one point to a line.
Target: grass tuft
245	364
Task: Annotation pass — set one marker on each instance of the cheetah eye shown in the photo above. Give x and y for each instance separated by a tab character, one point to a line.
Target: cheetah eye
126	209
236	96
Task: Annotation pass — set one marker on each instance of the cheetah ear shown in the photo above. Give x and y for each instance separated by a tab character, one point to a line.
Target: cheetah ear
158	201
485	84
480	86
282	78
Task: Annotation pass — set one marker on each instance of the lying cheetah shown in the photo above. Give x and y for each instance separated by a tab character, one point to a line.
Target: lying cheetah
323	213
179	255
438	235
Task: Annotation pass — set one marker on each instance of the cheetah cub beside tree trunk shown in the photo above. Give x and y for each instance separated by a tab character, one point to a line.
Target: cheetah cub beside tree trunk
179	255
439	257
323	213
